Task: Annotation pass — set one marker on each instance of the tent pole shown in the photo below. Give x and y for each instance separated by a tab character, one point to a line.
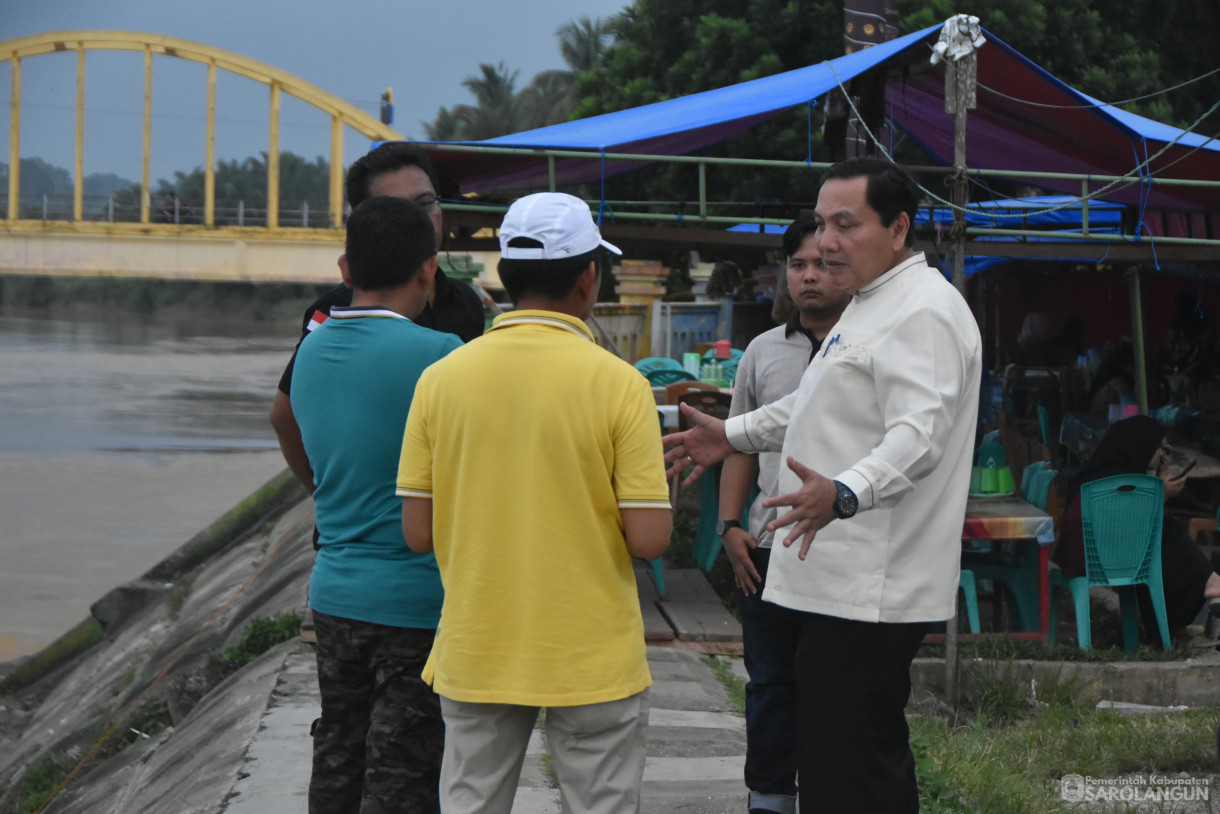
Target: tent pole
1137	338
961	94
702	190
959	198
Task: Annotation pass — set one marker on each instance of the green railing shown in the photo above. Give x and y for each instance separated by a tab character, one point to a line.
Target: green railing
1089	183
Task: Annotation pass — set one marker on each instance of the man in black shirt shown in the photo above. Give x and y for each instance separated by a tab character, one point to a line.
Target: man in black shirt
400	170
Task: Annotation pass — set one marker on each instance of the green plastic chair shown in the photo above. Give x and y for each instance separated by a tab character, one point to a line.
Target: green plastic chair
661	370
1122	548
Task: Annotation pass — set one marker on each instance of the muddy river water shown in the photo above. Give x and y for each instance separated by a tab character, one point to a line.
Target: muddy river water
121	436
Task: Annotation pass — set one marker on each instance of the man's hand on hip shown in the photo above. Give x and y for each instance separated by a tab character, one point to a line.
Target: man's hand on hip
813	506
703	445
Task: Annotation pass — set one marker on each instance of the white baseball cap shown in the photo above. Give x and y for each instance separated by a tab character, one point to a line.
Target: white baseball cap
562	223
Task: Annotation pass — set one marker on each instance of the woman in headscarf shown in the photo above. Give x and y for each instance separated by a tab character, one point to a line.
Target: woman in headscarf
1135	446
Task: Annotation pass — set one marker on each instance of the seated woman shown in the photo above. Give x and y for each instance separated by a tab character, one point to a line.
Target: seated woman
1135	446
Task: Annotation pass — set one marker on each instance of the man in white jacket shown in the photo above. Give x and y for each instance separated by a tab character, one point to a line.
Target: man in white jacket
877	440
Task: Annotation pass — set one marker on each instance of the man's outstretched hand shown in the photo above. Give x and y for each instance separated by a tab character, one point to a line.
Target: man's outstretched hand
813	506
701	446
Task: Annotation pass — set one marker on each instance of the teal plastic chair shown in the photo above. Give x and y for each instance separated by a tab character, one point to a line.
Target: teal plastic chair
969	588
1016	572
1122	548
1044	424
661	370
1027	476
990	454
658	575
707	544
728	367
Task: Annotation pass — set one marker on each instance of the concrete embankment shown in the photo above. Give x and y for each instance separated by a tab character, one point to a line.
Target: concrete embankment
141	661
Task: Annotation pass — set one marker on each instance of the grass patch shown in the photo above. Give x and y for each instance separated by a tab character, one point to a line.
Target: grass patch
39	782
177	595
257	638
147	720
1008	650
261	635
977	766
735	684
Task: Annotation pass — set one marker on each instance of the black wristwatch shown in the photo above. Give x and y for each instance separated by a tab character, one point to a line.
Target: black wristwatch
722	526
846	502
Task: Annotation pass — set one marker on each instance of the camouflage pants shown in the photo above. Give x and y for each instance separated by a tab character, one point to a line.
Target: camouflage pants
377	747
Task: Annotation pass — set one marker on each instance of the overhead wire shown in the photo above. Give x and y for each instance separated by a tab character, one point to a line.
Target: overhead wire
1124	179
1101	104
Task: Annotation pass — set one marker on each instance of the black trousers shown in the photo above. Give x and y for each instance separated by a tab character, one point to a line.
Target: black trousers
853	682
1184	575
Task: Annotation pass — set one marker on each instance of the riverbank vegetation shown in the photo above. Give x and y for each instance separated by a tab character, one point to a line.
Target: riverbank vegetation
1003	751
259	301
1003	760
44	777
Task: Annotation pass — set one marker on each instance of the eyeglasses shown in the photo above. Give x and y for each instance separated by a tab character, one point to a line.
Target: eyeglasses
428	202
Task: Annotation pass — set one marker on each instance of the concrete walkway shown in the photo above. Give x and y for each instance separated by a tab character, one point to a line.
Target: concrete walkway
696	745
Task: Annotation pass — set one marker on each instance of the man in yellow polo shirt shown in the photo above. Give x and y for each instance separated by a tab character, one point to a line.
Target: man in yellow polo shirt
532	464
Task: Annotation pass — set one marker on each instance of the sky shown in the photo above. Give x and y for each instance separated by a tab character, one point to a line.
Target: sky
352	49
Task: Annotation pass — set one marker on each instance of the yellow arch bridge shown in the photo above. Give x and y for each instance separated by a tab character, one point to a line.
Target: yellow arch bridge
217	249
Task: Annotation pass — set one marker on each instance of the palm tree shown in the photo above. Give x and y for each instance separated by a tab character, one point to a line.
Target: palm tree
497	110
548	99
582	43
495	89
446	127
551	96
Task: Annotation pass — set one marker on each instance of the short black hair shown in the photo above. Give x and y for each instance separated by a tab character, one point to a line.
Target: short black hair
890	191
393	155
388	240
796	233
547	279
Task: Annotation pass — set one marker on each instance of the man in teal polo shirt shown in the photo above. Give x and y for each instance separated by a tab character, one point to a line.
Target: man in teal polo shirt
377	746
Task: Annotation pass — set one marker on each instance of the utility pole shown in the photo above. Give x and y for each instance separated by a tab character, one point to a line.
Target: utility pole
960	39
961	95
865	23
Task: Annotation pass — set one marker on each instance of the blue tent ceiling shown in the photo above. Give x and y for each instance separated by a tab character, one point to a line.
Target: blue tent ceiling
1082	136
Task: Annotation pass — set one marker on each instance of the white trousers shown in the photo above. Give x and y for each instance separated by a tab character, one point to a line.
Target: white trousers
597	751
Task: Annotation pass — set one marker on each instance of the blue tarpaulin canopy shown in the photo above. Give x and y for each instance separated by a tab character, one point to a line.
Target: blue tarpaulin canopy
1075	134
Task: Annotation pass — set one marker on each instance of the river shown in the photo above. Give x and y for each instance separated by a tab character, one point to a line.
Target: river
121	435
